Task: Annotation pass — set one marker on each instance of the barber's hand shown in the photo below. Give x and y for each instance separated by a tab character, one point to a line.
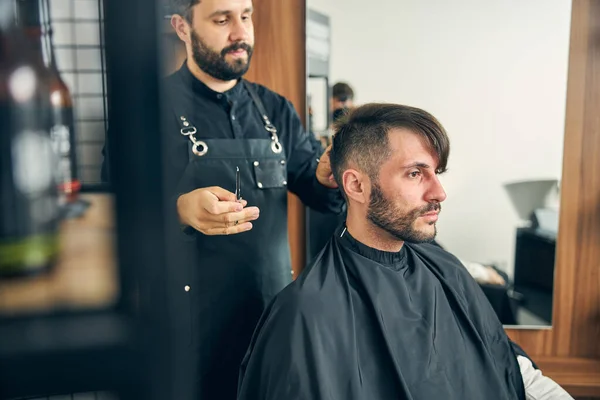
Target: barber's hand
324	173
494	277
214	211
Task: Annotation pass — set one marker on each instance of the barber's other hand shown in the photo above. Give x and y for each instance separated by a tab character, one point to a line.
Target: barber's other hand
324	173
494	277
214	211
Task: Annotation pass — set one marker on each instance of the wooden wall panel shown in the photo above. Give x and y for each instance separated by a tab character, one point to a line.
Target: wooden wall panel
279	63
570	351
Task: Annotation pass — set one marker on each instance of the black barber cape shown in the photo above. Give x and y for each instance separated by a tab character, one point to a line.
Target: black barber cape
365	324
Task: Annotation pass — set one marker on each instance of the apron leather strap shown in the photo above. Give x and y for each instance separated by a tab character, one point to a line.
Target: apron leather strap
200	148
259	104
275	145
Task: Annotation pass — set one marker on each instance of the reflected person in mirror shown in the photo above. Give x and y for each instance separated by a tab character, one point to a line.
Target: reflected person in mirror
230	257
342	100
382	313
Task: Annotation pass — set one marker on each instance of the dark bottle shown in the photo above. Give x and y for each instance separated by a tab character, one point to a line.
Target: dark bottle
28	179
34	19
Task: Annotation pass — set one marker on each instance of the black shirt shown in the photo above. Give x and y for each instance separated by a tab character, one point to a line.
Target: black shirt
232	115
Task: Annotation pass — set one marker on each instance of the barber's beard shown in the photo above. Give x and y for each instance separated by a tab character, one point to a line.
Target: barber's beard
384	214
214	63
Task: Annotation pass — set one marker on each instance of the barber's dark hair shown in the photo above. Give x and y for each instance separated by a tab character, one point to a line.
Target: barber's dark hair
362	136
342	91
183	8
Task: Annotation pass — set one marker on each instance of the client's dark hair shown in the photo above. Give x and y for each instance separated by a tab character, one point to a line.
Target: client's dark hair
362	136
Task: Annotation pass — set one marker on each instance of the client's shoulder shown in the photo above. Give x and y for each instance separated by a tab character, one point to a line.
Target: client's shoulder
301	298
318	290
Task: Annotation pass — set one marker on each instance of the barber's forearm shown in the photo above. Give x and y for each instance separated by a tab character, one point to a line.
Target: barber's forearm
538	386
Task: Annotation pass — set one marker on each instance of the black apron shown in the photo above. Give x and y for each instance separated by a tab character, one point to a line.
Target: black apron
221	286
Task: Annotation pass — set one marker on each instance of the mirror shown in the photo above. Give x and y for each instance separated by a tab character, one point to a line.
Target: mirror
495	75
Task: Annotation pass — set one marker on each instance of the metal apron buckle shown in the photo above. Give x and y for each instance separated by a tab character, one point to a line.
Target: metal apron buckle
199	147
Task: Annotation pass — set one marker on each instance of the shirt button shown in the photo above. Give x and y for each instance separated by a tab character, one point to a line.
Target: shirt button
187	288
233	117
219	96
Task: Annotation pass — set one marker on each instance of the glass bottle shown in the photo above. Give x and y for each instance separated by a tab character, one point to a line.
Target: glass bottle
28	165
34	19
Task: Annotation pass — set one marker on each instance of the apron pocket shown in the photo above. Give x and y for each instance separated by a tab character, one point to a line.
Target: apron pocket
270	173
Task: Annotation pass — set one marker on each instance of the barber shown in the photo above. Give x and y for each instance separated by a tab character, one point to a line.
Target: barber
232	256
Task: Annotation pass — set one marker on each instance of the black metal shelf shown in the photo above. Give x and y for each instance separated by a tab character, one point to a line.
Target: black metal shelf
126	350
66	354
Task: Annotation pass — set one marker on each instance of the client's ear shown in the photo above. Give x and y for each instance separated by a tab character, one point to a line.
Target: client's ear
354	185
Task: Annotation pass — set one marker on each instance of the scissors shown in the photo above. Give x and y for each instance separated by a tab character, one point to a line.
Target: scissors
238	185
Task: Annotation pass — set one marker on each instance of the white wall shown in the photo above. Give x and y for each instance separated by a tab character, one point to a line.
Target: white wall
493	72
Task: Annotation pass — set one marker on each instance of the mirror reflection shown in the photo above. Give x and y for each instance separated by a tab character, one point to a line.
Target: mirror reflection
495	76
